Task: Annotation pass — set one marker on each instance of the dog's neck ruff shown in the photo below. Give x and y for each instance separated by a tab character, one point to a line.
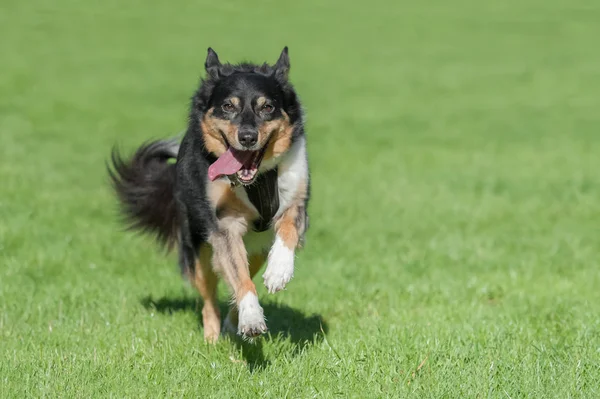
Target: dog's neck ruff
264	195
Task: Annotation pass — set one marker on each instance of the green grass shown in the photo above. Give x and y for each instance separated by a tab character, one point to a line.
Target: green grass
454	245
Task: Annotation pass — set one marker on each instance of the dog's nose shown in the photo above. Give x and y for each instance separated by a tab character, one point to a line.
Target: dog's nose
247	137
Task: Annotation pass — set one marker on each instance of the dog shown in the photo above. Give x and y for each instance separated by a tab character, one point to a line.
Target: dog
232	194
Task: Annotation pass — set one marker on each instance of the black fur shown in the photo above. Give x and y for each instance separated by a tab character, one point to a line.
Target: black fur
169	200
144	185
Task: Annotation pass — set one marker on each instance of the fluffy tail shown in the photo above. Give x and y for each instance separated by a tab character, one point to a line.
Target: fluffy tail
145	185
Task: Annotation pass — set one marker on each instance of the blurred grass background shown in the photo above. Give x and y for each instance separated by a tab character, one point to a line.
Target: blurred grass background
453	249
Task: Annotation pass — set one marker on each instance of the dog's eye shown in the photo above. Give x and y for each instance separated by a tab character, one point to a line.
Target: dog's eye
227	107
268	108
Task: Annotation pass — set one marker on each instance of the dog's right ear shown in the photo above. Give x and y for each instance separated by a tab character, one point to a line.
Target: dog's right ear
212	64
282	67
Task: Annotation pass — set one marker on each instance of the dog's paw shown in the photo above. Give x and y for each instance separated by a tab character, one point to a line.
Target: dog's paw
251	319
277	277
280	267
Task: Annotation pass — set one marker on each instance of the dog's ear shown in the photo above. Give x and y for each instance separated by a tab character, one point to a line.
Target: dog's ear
212	64
282	67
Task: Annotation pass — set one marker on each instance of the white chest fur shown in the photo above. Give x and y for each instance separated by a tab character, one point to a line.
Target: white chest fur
293	171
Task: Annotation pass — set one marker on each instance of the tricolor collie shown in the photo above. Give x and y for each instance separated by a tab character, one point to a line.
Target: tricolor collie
233	194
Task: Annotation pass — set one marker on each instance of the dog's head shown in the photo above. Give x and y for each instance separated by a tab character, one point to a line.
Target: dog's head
248	115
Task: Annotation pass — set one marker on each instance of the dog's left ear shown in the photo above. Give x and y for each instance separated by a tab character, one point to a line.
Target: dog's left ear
282	67
212	64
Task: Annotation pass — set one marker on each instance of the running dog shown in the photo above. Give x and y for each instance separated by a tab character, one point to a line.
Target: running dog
233	194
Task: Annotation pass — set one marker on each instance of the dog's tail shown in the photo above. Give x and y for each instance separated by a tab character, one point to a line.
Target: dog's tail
145	186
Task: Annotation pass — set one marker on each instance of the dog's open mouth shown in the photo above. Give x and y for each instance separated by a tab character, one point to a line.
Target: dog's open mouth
243	164
249	170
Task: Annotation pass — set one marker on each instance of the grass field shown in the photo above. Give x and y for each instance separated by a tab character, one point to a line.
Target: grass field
455	237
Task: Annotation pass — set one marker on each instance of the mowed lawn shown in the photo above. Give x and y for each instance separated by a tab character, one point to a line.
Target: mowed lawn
454	246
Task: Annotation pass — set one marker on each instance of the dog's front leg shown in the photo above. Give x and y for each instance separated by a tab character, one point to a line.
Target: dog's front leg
289	233
230	260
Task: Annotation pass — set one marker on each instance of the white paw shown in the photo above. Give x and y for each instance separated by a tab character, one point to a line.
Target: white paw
251	319
280	267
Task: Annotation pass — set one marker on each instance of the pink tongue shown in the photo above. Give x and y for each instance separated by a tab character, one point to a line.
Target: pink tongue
228	163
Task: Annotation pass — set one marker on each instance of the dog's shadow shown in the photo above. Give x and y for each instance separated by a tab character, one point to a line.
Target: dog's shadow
283	321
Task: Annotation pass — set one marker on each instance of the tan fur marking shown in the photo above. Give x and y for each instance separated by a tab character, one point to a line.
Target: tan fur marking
216	190
235	101
227	203
205	281
230	259
230	256
212	128
230	204
286	226
244	288
229	253
279	132
261	101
